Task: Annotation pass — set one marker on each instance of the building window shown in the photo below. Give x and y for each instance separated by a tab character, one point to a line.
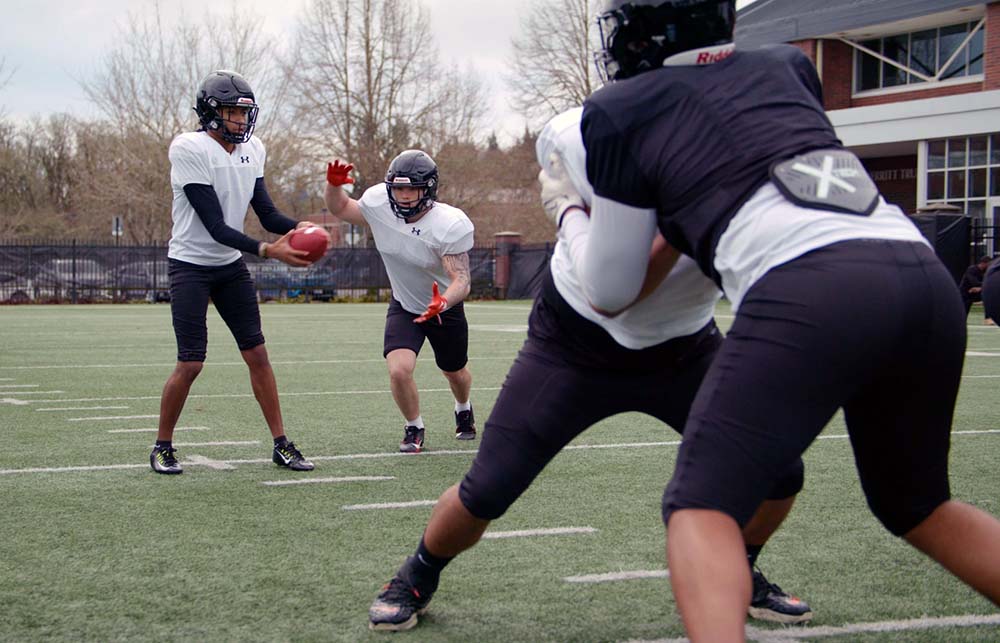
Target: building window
919	57
964	172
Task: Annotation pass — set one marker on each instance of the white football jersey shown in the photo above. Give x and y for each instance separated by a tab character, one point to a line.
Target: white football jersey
682	304
412	252
770	230
195	157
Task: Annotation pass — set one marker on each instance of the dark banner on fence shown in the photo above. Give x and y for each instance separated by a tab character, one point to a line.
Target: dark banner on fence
528	267
950	234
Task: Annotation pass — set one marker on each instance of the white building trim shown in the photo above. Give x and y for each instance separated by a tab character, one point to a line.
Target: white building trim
919	120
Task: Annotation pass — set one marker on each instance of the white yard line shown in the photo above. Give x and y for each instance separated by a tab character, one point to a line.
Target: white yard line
499	329
273	362
154	429
844	436
245	443
101	418
611	577
18	385
621	445
799	633
285	483
789	634
139	398
528	533
396	454
202	461
85	408
103	467
390	505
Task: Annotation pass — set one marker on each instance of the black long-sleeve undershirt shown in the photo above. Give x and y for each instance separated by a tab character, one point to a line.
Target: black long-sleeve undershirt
270	217
205	202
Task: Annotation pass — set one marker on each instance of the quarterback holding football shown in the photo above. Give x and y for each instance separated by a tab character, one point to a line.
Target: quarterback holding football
217	172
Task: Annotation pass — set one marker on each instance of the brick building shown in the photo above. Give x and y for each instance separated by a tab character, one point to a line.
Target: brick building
912	86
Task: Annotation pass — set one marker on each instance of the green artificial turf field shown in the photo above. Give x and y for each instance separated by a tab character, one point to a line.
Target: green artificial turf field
94	546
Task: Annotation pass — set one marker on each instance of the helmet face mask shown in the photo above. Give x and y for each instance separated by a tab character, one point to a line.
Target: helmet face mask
412	169
222	89
638	35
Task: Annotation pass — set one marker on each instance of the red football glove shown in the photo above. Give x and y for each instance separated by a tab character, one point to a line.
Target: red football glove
338	173
435	308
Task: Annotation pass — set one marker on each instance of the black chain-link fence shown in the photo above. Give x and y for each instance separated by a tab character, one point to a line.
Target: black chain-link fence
76	272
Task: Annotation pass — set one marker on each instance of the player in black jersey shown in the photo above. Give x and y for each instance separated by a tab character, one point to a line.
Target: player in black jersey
840	301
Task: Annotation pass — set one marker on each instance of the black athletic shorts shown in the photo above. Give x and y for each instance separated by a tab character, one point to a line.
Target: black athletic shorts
230	288
875	327
569	375
449	339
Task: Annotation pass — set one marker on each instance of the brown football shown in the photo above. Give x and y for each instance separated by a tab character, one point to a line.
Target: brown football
313	239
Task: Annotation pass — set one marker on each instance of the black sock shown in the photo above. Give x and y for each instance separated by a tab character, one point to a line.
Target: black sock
164	444
423	569
428	559
753	551
279	441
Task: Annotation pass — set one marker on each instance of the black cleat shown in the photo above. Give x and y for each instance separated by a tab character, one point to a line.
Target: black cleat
162	460
770	603
465	425
413	440
286	455
397	606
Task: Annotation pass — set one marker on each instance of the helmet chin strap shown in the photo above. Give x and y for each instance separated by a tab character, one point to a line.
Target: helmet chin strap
426	209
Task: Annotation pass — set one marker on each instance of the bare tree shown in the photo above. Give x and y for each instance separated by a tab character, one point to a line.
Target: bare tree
6	73
21	184
552	66
146	90
149	79
370	85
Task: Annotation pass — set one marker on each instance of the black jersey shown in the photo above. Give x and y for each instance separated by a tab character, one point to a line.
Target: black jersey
695	141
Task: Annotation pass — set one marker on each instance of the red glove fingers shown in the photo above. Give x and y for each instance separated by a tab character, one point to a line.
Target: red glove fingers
338	173
435	308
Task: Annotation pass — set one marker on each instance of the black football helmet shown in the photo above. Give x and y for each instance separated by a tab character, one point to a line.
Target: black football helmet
225	88
412	168
638	35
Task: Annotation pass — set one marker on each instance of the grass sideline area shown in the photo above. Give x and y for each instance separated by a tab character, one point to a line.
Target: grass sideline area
94	546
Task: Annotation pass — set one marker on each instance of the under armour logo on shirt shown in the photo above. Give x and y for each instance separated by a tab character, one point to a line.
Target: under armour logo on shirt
244	159
415	231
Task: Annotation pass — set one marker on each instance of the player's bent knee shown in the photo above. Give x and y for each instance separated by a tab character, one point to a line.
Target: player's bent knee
400	374
189	369
674	501
256	357
485	502
900	516
790	483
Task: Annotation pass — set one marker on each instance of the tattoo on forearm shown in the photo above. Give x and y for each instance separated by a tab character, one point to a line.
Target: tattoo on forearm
457	267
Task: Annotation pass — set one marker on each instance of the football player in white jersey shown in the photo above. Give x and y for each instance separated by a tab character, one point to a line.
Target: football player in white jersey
581	367
840	303
216	173
424	245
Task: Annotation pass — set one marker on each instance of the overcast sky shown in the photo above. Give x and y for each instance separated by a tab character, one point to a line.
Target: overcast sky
49	44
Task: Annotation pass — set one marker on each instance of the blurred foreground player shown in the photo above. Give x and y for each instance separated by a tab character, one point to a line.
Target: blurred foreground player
840	302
